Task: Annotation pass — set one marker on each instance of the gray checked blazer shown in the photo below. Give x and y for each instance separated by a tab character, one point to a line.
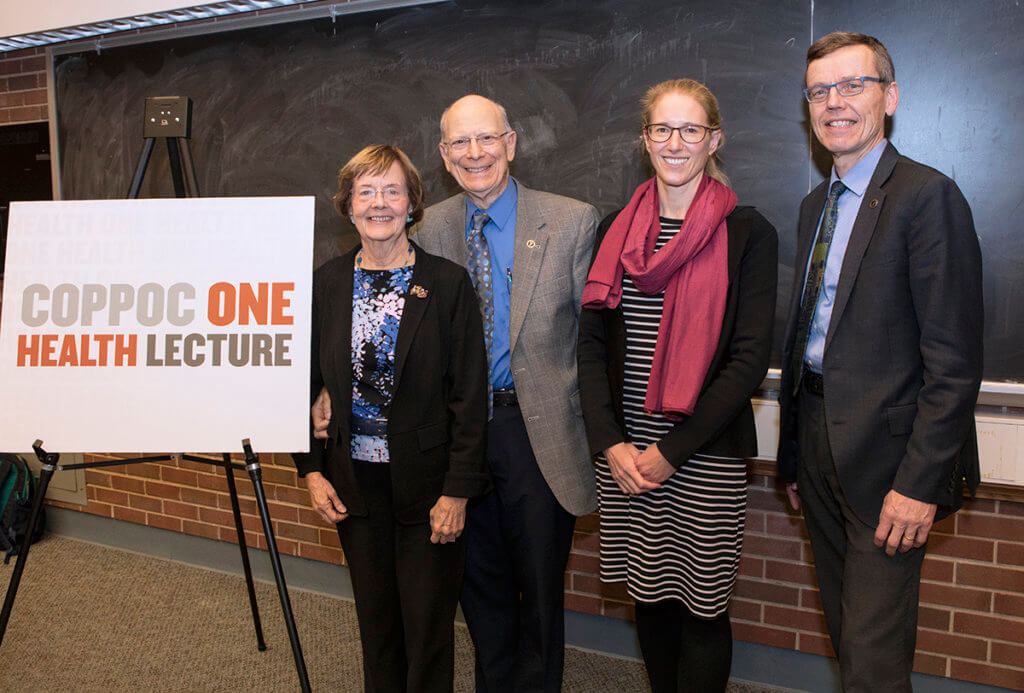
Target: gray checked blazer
553	245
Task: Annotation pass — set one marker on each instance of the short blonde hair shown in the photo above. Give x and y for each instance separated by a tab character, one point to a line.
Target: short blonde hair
375	160
702	95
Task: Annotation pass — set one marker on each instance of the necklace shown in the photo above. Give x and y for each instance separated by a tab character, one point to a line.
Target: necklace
359	260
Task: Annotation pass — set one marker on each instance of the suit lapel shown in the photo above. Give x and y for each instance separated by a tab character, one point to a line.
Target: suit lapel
810	212
341	308
421	288
860	236
531	239
453	231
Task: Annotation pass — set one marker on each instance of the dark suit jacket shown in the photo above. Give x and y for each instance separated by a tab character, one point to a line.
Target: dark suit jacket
438	411
722	422
902	361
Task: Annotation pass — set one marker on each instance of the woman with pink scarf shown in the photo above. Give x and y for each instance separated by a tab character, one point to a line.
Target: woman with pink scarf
675	337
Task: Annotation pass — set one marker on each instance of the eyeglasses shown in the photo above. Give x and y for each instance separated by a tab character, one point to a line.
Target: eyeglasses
845	87
690	133
391	194
461	144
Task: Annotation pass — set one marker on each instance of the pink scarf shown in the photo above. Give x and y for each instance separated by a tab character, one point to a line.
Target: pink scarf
692	270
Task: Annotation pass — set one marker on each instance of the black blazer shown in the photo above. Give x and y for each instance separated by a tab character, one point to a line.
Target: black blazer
722	422
438	412
902	361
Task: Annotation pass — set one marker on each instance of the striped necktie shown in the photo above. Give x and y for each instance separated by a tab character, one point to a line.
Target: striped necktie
815	275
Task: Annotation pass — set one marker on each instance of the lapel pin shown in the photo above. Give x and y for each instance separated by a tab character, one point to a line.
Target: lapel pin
531	243
873	203
418	291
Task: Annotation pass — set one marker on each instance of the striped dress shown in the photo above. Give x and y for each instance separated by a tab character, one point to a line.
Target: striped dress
683	540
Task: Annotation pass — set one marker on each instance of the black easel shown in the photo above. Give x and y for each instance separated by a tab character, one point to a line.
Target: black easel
170	118
49	461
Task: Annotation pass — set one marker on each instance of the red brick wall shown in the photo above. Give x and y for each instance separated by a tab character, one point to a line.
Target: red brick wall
971	618
972	597
192	497
23	86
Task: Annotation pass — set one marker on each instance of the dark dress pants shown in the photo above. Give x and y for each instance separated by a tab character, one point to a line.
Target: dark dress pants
517	544
406	590
869	598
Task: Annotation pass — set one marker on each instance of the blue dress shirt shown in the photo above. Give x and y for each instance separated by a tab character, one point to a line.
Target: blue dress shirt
856	181
500	233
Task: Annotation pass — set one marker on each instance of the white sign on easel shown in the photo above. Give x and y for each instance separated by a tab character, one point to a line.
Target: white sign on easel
141	326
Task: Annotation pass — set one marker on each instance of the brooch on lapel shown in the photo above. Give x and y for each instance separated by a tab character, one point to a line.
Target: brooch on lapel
418	291
531	243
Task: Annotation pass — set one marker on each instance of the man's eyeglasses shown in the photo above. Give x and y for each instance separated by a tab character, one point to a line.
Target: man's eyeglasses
845	87
691	133
461	144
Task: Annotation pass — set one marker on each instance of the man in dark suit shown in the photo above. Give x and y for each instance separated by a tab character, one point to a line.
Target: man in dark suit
881	363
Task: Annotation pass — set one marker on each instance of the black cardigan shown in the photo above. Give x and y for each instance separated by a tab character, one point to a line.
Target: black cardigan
722	422
438	413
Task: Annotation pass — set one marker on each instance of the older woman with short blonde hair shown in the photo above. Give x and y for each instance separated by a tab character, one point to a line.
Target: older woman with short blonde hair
398	355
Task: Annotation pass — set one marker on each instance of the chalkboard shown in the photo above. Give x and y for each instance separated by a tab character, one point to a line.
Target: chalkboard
279	109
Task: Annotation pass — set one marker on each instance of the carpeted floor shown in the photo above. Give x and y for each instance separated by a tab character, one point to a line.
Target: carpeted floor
93	618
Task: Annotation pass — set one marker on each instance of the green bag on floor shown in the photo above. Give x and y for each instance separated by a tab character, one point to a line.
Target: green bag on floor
17	488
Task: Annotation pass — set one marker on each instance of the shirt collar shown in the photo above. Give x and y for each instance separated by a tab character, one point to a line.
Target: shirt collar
858	178
501	210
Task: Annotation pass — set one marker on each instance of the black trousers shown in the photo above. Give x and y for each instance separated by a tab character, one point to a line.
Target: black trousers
517	544
683	653
870	599
406	590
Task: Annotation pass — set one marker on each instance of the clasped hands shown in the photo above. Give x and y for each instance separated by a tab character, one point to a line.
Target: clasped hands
637	472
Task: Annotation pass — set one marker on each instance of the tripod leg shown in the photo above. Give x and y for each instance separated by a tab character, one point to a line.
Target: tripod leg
140	170
175	157
192	183
233	492
19	566
282	588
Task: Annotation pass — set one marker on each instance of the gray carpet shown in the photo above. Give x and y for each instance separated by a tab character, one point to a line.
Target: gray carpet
93	618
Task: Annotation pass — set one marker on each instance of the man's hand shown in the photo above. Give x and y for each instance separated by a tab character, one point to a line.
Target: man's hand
653	466
325	499
447	518
904	523
622	459
321	412
792	493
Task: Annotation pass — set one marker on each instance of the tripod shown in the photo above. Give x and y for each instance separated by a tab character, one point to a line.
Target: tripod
170	118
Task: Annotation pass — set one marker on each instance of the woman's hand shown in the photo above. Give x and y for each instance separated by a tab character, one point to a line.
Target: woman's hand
447	518
622	459
653	466
321	412
325	499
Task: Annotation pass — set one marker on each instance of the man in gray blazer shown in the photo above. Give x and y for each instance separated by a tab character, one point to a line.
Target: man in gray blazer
528	253
881	364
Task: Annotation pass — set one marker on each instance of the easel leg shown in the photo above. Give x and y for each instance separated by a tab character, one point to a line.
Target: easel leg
140	170
233	492
253	466
176	173
19	566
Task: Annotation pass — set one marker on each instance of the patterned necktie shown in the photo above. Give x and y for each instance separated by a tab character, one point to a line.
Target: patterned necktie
815	275
480	273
